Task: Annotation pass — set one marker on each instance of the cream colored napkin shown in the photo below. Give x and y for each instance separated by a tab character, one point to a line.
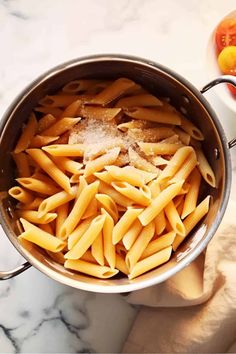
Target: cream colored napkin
197	307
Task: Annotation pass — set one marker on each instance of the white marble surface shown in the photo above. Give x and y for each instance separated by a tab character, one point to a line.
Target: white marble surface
36	313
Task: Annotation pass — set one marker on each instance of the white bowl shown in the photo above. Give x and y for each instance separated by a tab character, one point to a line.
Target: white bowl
214	71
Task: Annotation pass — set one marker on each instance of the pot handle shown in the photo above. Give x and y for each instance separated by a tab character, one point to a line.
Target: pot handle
229	79
4	275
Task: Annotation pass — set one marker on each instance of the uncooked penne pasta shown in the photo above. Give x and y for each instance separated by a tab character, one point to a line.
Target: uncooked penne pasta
67	164
183	136
141	100
120	199
97	249
50	168
139	162
185	169
141	196
160	220
104	176
125	175
113	91
45	122
96	149
21	194
131	235
62	213
133	124
41	238
95	270
56	200
81	204
31	206
87	238
75	150
57	100
61	126
121	265
192	219
35	217
154	114
191	129
100	113
27	134
76	235
159	244
151	262
109	205
151	135
22	164
205	169
54	111
139	245
107	231
191	198
91	210
37	185
123	225
72	110
159	203
99	163
40	140
147	176
159	148
174	219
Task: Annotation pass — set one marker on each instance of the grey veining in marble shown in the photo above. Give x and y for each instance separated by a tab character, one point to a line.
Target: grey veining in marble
38	315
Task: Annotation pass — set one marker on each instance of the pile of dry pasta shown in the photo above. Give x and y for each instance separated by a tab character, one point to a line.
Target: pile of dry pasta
109	178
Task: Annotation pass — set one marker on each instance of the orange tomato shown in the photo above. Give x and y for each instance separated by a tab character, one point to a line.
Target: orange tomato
227	60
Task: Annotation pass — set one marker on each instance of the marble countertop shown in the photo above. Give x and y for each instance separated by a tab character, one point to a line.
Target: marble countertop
38	315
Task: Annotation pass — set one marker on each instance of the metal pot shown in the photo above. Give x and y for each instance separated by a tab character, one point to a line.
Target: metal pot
160	81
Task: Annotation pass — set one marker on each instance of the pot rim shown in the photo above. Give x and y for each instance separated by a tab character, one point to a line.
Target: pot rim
198	248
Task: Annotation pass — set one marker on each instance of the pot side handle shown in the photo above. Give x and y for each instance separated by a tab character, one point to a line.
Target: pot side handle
4	275
229	79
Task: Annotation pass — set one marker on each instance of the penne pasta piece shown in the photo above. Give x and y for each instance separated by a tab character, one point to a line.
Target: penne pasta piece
160	223
159	148
91	210
159	203
185	170
121	265
40	140
205	169
101	113
57	100
133	124
183	136
174	219
109	205
82	184
151	262
27	134
21	194
159	244
141	196
75	150
39	237
139	245
99	163
56	112
126	175
62	213
180	207
141	100
191	198
139	162
66	164
31	206
150	135
81	204
76	235
116	89
159	161
94	150
97	249
175	163
147	176
50	168
22	164
95	270
37	185
191	129
118	198
104	176
131	235
60	127
109	248
34	216
124	224
72	110
45	122
158	115
191	220
87	238
56	200
185	188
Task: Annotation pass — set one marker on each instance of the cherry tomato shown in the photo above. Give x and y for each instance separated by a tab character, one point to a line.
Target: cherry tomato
232	89
226	34
227	60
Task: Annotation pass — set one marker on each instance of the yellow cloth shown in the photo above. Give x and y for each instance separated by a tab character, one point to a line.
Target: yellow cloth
197	307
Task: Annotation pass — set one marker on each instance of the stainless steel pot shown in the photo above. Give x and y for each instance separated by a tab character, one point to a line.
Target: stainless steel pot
160	81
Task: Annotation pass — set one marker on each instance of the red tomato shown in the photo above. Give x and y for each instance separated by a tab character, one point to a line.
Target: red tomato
226	33
232	89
